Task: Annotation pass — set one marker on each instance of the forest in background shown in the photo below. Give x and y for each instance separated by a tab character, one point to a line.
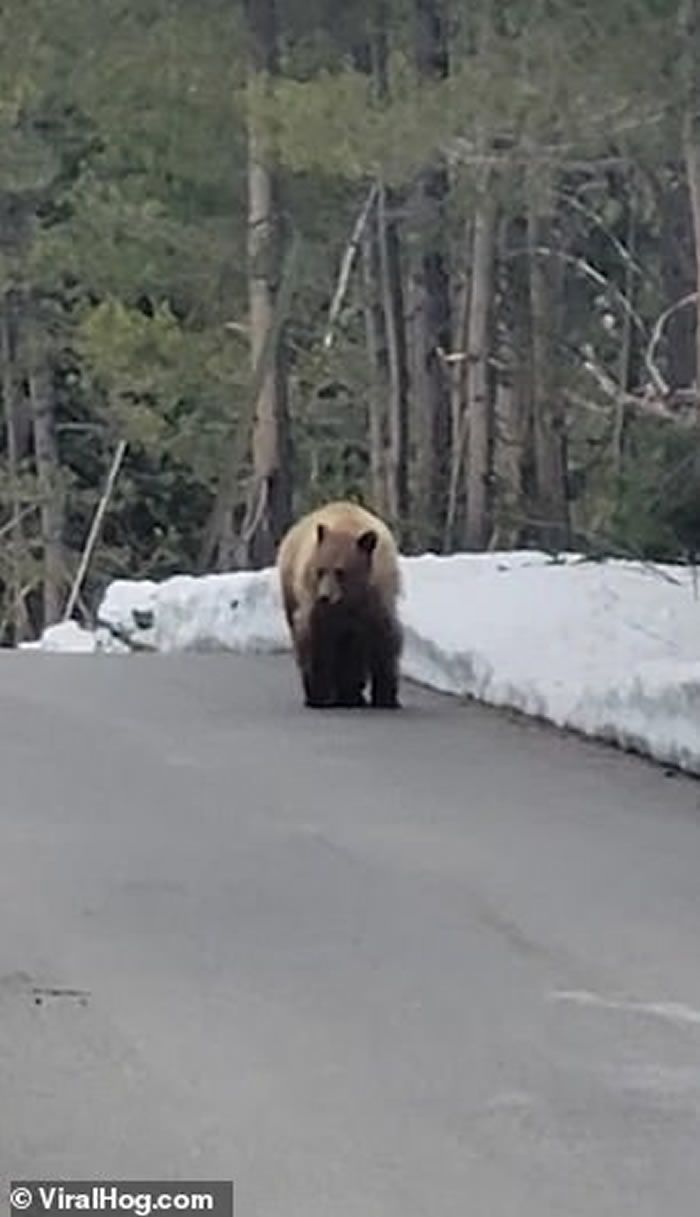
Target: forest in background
441	256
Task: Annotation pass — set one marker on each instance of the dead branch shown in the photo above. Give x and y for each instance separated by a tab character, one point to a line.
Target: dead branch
95	527
647	403
15	520
509	149
596	276
349	256
592	214
579	399
656	333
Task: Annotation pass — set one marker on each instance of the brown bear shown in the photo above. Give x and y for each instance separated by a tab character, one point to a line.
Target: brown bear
339	575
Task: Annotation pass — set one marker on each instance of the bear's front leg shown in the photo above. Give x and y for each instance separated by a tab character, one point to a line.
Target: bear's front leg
315	675
318	687
384	666
316	697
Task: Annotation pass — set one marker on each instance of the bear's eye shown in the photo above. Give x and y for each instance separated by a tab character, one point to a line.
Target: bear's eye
321	572
339	574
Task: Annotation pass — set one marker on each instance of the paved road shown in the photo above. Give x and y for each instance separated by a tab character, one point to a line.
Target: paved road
436	963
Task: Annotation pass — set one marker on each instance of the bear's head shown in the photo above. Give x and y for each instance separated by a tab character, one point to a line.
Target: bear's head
342	565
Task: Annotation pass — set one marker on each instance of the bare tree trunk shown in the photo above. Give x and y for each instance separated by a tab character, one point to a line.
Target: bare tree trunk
369	57
513	394
374	333
430	341
688	29
392	296
269	506
461	286
458	368
691	153
19	617
48	470
218	537
479	403
620	427
549	431
430	295
507	469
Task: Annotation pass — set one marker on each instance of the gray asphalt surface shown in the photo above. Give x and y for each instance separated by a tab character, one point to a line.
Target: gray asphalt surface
367	965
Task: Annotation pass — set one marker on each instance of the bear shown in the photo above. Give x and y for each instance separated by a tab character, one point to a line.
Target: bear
339	575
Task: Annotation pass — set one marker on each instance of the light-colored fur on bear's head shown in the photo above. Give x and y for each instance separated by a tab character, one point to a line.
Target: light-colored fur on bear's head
342	565
334	552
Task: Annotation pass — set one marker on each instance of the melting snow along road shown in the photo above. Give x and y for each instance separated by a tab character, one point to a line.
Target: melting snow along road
366	965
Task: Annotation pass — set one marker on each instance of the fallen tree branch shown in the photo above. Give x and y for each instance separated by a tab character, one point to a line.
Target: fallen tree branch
122	635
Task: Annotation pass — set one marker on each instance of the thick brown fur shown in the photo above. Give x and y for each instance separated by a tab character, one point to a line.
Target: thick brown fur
339	576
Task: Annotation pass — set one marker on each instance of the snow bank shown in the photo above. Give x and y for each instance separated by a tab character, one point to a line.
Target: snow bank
610	649
236	612
65	636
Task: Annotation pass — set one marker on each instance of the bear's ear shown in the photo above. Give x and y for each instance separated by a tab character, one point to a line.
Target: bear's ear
367	541
320	533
